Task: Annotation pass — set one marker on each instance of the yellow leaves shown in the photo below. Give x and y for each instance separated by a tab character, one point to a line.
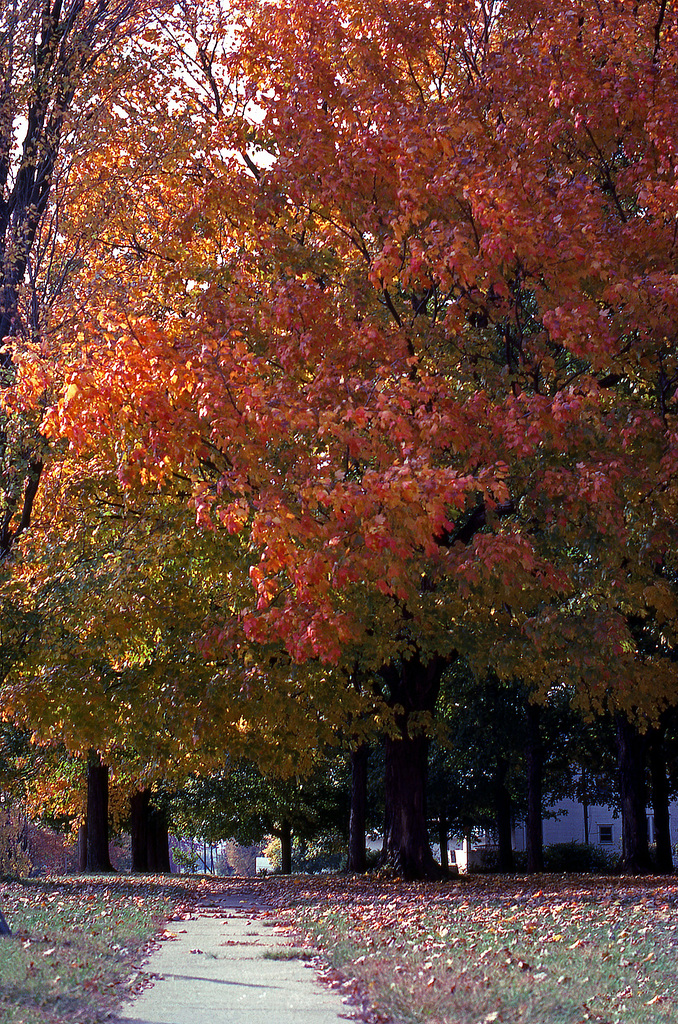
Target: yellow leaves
663	599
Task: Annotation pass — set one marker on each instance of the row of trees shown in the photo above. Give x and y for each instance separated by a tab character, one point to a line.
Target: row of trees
339	350
497	760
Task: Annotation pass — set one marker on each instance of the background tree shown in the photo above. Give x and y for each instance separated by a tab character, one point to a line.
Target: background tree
240	803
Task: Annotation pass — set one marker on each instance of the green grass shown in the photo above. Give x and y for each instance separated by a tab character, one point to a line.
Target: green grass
574	951
74	953
288	953
483	950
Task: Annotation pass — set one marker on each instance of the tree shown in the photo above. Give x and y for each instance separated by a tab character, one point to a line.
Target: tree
52	79
53	84
242	804
406	330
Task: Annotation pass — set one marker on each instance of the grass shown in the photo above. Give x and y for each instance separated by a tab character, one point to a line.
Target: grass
567	951
288	953
484	950
76	944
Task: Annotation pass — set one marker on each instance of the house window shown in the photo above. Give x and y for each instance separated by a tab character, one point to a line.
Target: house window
605	835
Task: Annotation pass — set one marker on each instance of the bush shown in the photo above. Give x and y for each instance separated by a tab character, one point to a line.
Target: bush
486	861
560	858
577	858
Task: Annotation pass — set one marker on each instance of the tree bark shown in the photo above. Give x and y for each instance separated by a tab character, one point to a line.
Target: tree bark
98	859
406	845
157	845
635	859
357	859
286	848
414	687
503	817
139	828
443	836
585	806
535	768
660	802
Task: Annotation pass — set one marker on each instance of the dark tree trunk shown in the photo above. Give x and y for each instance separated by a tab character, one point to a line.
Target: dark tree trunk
503	816
139	815
357	860
660	802
635	859
535	766
82	847
157	844
97	814
406	844
414	687
286	848
443	835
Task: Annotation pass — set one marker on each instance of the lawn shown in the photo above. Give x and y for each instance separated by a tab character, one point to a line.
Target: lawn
546	950
557	950
77	943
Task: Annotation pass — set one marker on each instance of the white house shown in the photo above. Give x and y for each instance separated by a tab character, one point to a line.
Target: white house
570	822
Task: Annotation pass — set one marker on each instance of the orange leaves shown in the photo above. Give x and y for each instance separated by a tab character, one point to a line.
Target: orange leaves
402	290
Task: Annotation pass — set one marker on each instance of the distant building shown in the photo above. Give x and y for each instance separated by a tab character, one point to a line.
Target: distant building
567	822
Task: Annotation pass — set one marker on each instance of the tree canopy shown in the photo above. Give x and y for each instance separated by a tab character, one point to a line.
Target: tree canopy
392	312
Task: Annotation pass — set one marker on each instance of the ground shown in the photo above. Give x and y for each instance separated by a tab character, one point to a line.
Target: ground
562	949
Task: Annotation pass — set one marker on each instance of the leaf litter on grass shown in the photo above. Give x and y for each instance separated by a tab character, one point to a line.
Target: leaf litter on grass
76	946
555	951
547	950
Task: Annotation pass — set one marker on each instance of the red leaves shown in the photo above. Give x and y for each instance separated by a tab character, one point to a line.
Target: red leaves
441	291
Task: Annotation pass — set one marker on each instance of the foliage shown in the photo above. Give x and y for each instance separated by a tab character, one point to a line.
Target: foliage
326	852
242	804
397	335
481	747
14	857
376	372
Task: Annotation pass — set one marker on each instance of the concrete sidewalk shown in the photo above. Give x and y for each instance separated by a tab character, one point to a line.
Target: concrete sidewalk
216	972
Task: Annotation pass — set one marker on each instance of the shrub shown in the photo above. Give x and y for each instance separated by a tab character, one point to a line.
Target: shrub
578	859
560	858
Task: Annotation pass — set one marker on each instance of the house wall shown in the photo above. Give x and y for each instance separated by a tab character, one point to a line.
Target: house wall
565	824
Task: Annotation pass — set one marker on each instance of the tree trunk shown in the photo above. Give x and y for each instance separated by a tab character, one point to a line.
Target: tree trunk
139	828
406	845
660	803
414	687
158	842
635	859
535	764
97	814
286	848
443	836
503	817
357	860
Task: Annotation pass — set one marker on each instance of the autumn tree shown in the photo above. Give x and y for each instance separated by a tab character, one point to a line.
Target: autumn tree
406	329
58	66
